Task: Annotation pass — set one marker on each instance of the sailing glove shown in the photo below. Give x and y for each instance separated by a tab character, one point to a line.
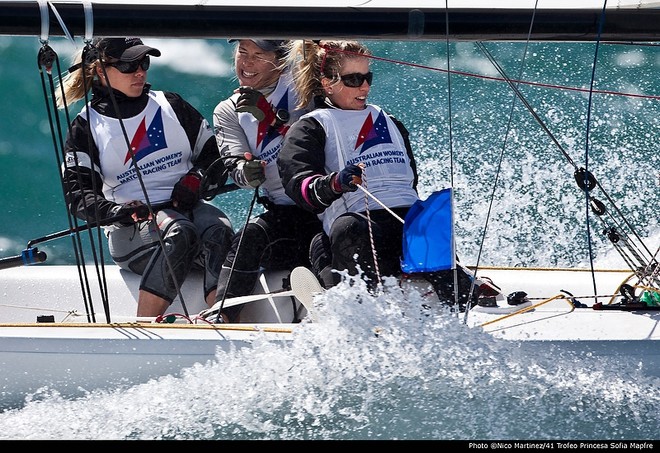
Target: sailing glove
347	179
252	101
130	213
255	172
186	192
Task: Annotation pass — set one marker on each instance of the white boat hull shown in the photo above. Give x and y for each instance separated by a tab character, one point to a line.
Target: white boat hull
72	355
550	320
74	358
27	293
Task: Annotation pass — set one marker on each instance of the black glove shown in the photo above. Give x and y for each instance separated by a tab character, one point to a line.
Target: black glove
215	177
130	213
346	180
254	102
255	172
186	192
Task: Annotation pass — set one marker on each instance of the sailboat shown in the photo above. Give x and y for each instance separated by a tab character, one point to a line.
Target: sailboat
53	333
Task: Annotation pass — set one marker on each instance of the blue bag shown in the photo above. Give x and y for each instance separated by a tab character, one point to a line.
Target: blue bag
428	234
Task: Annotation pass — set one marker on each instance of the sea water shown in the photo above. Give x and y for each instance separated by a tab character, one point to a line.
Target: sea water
379	367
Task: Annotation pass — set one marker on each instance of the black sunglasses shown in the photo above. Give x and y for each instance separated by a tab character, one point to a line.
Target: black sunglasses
356	79
129	67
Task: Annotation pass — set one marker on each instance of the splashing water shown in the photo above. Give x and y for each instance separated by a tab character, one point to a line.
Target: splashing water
376	367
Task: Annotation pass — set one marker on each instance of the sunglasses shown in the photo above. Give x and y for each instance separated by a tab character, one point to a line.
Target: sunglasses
356	79
129	67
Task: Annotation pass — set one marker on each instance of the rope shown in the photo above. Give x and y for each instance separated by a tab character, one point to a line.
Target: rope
368	194
374	254
653	97
218	319
47	57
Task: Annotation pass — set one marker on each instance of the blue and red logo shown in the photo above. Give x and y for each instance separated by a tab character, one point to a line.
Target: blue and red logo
147	141
266	134
373	134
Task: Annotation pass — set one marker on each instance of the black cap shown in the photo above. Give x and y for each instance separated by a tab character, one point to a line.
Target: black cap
269	45
125	49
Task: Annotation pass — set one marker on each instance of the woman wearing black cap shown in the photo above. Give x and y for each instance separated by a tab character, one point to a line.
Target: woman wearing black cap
249	127
126	126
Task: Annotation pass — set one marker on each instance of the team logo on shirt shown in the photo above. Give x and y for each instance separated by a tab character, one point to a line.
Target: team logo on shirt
373	133
147	141
265	133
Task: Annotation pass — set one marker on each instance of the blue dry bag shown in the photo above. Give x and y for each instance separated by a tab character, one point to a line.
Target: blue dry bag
428	234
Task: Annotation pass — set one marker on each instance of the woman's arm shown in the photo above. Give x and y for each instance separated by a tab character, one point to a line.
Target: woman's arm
301	163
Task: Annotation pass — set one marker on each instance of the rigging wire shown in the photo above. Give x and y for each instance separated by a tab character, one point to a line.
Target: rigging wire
501	156
601	22
45	54
450	134
580	173
47	57
94	242
88	54
586	181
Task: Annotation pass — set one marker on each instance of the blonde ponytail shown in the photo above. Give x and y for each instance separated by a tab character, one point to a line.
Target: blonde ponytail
73	84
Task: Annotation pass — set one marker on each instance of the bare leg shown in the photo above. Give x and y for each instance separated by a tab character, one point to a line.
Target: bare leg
150	305
210	299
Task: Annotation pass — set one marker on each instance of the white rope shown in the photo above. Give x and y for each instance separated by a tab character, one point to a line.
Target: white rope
61	21
361	187
45	28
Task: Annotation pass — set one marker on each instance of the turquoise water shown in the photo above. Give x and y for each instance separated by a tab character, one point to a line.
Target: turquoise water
430	380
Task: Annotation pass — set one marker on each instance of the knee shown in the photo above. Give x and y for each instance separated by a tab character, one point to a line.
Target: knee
253	231
252	239
218	238
184	236
319	251
320	258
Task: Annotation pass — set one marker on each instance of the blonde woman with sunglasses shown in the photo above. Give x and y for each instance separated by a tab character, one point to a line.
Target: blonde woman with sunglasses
343	142
346	141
